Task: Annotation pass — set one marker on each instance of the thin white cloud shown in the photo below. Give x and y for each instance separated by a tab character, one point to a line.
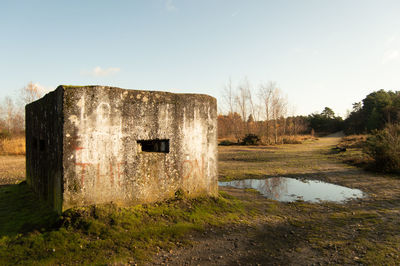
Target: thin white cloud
391	51
390	55
234	14
100	72
391	40
169	6
298	50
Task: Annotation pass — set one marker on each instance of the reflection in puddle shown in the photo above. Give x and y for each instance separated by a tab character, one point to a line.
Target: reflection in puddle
290	189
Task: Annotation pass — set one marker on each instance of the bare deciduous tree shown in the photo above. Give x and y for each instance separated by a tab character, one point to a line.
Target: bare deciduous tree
243	102
30	93
278	110
264	115
266	92
9	110
12	113
229	97
11	118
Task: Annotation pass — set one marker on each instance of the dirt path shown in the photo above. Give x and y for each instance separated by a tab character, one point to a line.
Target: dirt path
300	233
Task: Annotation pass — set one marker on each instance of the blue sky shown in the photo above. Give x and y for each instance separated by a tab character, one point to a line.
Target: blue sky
321	53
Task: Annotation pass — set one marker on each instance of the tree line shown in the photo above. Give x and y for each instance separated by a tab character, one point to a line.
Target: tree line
375	111
12	110
262	111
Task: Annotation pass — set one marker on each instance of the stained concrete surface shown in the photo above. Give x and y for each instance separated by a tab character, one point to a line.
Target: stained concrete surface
97	144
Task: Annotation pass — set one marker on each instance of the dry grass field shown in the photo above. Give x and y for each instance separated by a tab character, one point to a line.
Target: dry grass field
308	159
12	146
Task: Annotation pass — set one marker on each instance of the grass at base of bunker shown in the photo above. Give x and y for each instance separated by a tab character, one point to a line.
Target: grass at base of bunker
105	234
239	227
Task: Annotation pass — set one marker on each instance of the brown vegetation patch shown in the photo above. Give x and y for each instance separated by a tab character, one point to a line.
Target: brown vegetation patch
353	141
12	146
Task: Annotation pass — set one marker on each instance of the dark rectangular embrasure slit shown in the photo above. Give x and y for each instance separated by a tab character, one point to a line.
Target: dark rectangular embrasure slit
154	145
42	145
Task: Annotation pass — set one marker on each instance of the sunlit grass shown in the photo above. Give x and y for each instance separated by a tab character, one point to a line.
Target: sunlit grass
12	146
243	162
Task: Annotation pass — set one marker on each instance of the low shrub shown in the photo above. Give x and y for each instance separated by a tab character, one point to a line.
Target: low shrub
251	139
353	141
4	134
384	147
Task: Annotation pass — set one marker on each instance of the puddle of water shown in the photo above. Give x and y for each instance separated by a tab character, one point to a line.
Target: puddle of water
289	189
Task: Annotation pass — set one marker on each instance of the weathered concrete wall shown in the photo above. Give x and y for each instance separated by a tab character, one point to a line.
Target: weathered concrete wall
106	133
44	147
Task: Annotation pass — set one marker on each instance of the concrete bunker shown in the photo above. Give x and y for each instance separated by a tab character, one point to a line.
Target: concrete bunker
96	144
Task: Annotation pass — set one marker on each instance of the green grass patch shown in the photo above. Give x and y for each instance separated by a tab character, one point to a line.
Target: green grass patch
21	210
104	233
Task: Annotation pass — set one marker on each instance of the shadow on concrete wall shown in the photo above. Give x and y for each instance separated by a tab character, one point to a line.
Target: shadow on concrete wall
21	211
